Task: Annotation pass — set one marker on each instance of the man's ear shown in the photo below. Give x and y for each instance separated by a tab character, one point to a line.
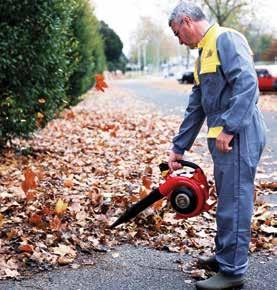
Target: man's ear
187	20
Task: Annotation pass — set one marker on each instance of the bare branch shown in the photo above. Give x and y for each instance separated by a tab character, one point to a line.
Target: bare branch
210	7
226	16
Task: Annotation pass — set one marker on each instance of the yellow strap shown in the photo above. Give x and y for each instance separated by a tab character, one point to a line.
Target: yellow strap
214	132
195	74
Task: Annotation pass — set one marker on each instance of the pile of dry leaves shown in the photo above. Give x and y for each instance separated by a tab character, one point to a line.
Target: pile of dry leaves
61	189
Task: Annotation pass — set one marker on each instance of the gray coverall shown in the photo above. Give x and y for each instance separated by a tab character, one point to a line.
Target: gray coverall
226	92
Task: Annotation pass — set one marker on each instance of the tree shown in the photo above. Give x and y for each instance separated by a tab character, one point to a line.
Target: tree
113	48
270	54
223	9
151	45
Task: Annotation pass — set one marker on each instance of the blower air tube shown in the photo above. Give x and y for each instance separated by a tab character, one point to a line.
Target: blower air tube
131	212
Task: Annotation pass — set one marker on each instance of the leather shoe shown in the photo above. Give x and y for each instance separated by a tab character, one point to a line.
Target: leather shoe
221	281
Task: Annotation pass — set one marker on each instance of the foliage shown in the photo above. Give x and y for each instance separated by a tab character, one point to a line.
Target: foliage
35	42
113	48
88	52
270	53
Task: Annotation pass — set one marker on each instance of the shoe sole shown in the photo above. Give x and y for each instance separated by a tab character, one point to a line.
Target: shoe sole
233	288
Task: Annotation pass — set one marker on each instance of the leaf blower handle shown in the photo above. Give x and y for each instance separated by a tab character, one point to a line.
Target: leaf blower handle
164	168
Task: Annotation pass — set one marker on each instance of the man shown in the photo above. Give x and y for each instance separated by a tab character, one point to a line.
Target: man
225	92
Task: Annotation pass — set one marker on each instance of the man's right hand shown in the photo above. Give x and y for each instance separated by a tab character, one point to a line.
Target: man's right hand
172	161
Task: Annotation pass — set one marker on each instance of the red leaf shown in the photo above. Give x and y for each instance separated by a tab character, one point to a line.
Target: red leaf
29	182
26	248
146	181
100	83
55	224
35	219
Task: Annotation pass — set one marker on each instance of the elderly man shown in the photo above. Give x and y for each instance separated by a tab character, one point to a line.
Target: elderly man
225	92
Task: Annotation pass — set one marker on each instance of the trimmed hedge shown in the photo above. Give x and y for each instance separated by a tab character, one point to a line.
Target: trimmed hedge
40	54
89	51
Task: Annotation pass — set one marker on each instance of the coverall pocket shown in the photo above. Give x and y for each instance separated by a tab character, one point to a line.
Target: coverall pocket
255	140
220	157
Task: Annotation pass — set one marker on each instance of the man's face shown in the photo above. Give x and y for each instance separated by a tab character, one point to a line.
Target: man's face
185	32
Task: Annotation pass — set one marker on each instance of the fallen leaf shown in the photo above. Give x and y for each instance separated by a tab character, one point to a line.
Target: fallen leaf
35	219
26	248
63	250
29	182
100	84
63	260
1	220
61	207
68	183
56	224
146	181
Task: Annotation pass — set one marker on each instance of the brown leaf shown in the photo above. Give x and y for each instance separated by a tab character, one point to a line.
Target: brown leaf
11	234
64	260
55	224
148	171
31	195
158	204
47	211
35	219
29	182
268	185
68	183
95	196
143	192
1	220
146	181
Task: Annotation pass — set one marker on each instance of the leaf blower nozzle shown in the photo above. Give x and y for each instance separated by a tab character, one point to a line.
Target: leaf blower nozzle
131	212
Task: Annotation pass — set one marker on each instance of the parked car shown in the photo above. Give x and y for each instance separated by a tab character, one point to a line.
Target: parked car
267	77
186	77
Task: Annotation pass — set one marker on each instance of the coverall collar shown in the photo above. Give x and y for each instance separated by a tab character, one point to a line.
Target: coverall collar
210	34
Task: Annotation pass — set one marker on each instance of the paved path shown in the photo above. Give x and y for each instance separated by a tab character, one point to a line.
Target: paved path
131	268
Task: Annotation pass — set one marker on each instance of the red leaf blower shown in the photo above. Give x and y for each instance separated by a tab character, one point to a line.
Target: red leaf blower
188	193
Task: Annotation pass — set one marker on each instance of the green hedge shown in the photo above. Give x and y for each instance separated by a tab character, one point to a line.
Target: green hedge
40	57
89	51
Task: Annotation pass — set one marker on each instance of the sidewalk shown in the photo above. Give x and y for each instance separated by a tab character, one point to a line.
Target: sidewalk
131	268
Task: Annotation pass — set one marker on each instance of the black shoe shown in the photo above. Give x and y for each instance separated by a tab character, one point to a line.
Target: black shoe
208	263
221	282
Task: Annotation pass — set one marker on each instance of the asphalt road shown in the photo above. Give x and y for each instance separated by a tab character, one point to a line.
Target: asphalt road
131	268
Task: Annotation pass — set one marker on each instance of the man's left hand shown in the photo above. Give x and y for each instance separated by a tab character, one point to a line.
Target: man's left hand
222	142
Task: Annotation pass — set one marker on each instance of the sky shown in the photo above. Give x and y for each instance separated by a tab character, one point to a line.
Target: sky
123	15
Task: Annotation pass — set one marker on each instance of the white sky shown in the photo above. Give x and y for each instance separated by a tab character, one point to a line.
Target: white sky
123	15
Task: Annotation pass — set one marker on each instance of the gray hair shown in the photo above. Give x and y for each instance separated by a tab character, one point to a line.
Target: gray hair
186	9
